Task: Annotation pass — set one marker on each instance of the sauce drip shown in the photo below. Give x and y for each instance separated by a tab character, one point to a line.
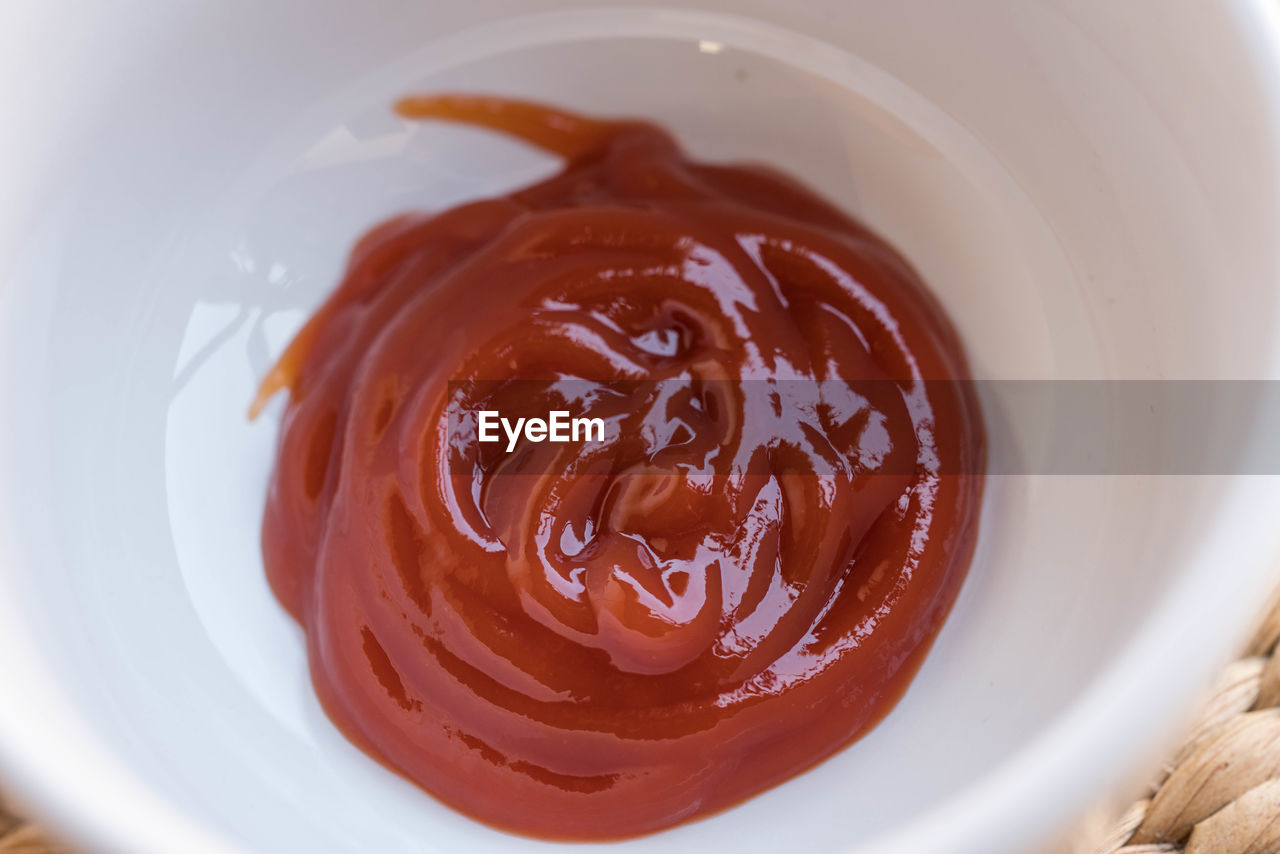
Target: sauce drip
605	639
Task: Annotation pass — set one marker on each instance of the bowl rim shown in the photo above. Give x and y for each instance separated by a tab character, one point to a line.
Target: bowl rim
62	774
1093	744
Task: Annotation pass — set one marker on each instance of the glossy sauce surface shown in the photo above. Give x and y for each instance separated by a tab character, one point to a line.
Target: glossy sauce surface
601	639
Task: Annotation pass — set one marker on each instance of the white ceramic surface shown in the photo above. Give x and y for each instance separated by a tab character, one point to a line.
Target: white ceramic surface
1092	187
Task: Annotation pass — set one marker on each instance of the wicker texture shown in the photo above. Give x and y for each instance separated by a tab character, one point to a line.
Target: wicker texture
1220	794
18	837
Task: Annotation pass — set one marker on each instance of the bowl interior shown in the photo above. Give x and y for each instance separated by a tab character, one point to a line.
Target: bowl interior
1081	197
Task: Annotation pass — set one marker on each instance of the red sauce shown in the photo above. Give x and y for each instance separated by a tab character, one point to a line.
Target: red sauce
582	649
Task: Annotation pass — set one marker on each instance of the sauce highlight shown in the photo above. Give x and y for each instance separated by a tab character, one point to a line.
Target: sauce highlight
603	639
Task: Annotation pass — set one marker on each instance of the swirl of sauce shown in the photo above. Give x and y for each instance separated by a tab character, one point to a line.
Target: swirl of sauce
601	639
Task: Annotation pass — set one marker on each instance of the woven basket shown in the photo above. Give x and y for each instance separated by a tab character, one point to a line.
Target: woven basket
1220	793
19	837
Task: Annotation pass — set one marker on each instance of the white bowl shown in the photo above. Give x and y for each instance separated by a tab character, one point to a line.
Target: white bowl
1092	188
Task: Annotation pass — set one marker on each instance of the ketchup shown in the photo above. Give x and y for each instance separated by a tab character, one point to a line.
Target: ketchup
611	637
